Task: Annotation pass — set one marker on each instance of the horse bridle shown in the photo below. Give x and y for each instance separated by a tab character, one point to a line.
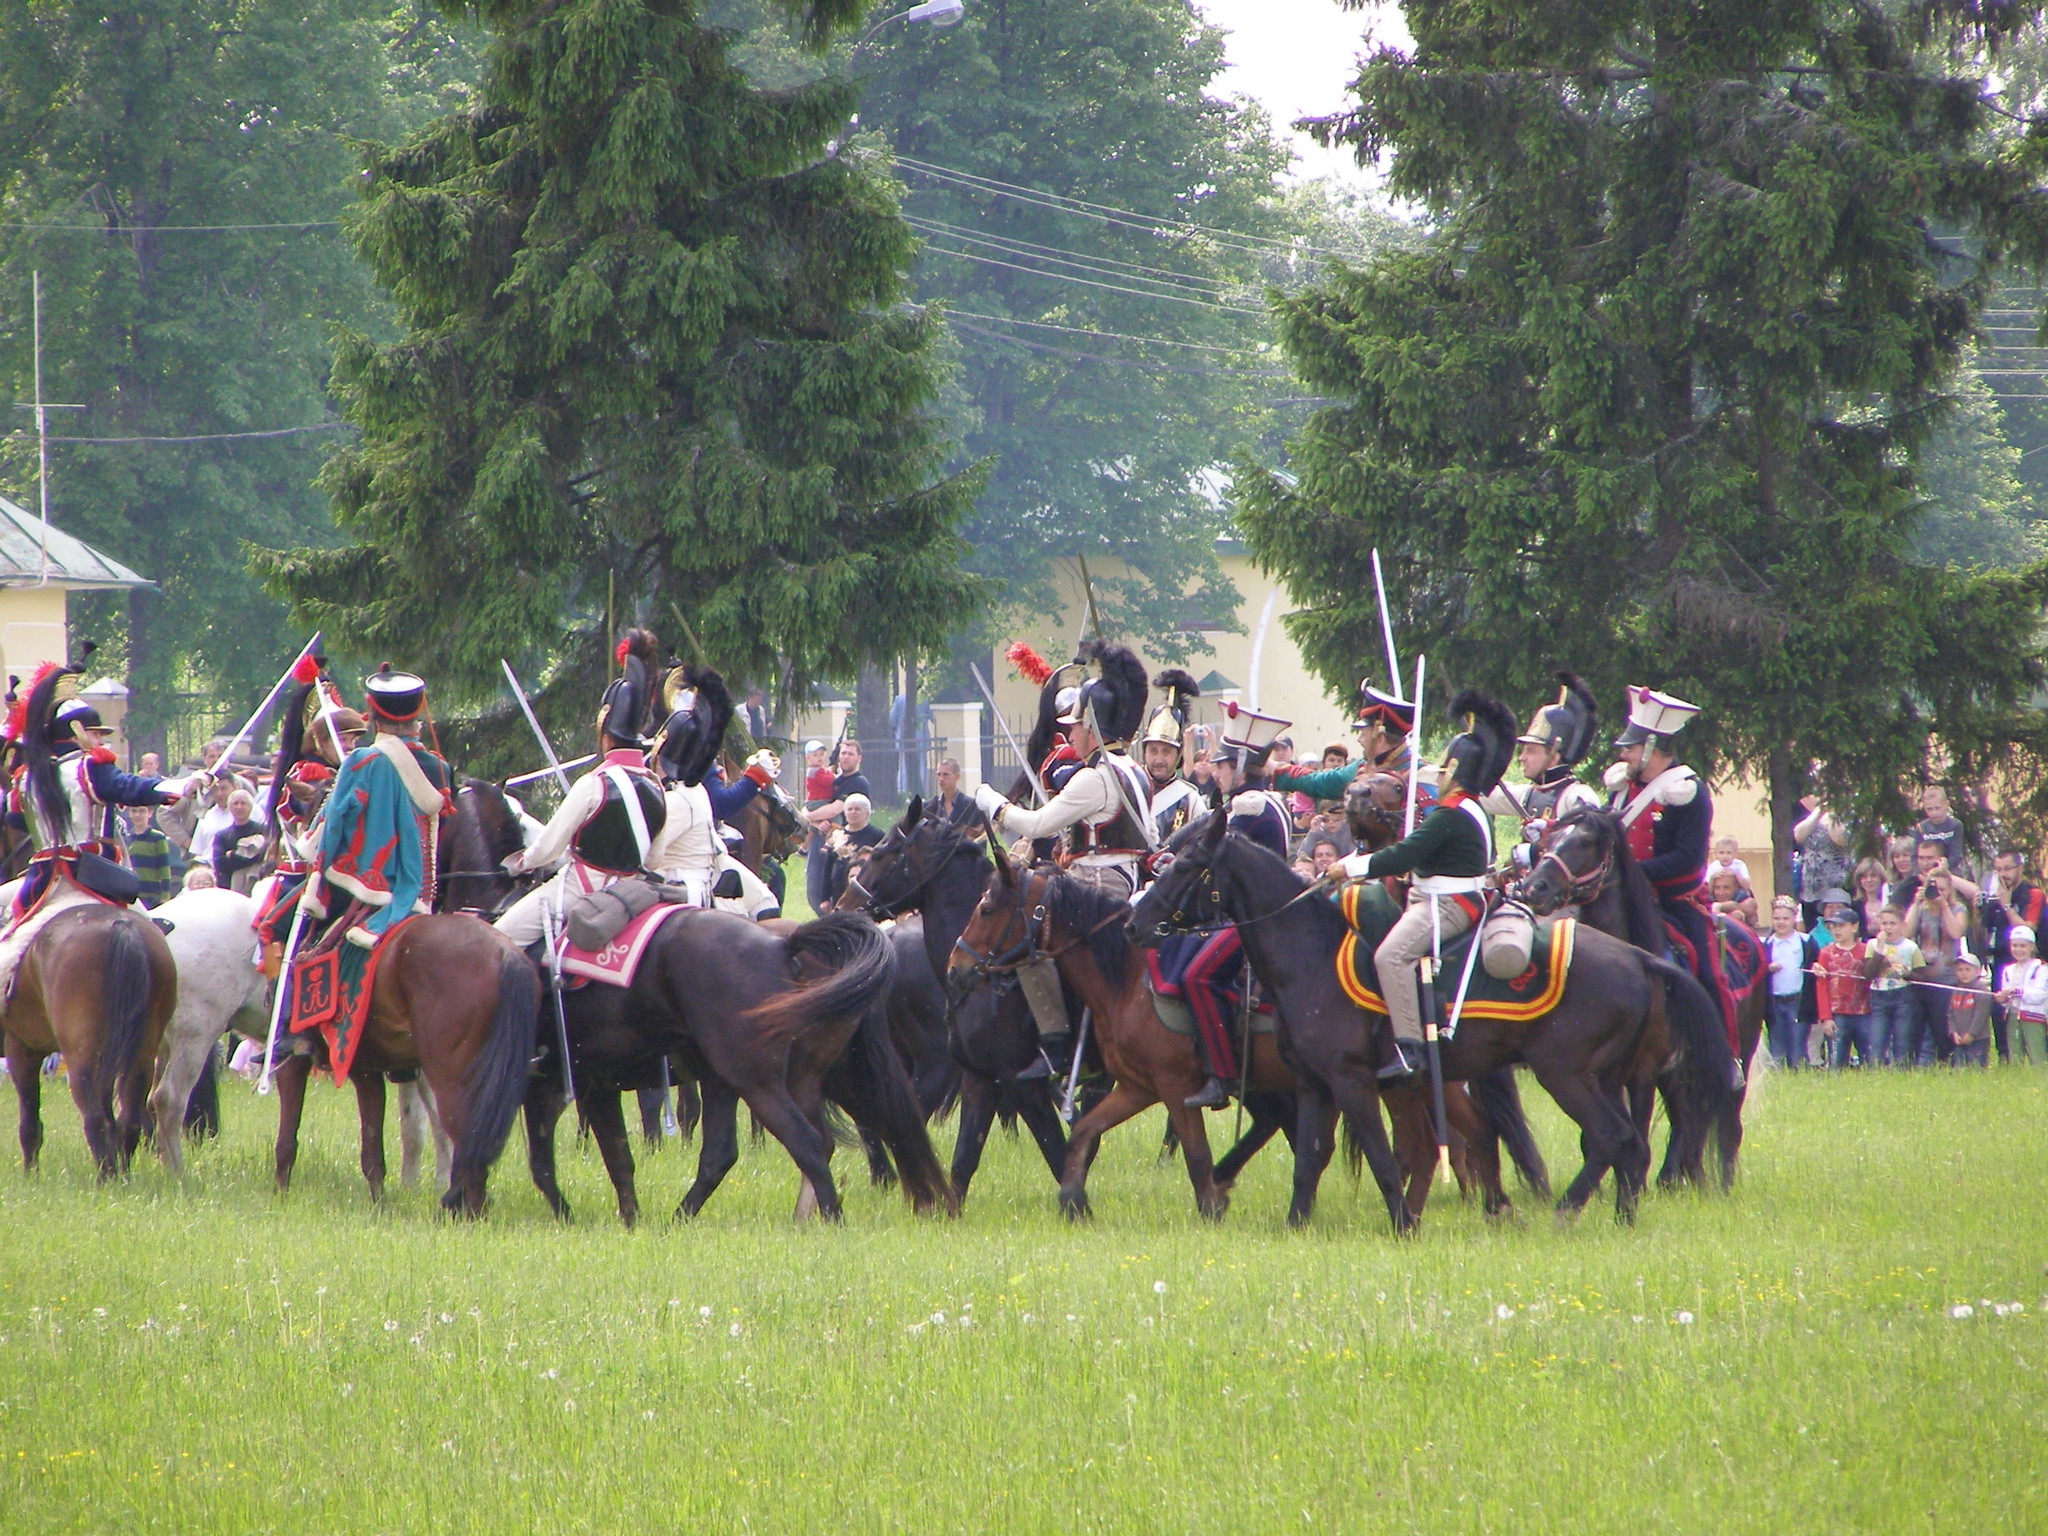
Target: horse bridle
1180	922
882	911
1579	890
1028	950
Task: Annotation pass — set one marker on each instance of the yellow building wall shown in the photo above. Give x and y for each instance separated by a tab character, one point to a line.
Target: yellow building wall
31	628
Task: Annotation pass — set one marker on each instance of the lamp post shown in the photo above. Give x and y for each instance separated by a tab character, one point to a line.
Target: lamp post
940	13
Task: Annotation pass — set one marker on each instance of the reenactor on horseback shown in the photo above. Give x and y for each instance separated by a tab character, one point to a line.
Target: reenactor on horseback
1667	814
1212	978
1384	722
315	737
690	851
611	820
380	827
1448	856
1175	799
1558	738
65	790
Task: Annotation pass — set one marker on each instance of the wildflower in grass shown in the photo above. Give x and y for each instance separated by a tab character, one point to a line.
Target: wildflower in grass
1684	1319
1158	1287
568	1405
1961	1310
938	1319
390	1325
551	1373
705	1313
734	1330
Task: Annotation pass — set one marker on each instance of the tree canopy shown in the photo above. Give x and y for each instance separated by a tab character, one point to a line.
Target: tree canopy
1651	399
656	366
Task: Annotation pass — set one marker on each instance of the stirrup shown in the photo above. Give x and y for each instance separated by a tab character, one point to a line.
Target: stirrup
1407	1060
1211	1095
1037	1072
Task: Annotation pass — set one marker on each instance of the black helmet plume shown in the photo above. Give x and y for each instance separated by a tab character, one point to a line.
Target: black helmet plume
691	738
1116	698
1481	752
37	748
1578	700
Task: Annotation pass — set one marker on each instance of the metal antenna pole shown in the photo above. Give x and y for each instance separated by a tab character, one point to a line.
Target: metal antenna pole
42	408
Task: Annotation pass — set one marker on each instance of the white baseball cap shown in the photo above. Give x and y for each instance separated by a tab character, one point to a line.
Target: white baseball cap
814	746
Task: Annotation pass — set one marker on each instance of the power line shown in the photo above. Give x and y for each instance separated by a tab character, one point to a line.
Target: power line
1127	362
1110	264
1067	277
170	229
1082	330
210	437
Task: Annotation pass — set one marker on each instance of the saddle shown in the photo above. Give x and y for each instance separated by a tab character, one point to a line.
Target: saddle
595	918
1370	912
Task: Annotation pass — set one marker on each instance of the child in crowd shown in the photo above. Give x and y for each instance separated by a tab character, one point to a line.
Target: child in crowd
1790	951
817	775
1731	898
1728	861
1844	995
1889	960
2023	988
1969	1014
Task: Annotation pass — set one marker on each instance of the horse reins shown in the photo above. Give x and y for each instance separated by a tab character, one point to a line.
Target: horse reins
1026	950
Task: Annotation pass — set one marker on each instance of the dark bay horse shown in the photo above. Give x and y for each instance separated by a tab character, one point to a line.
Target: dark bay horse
97	983
1585	861
782	1020
1612	1018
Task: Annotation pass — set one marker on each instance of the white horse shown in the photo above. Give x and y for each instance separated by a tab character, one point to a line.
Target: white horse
213	940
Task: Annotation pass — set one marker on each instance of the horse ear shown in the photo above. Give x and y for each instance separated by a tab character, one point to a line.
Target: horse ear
1219	824
1006	871
913	811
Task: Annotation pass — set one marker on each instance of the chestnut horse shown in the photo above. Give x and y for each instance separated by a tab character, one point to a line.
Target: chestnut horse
98	983
456	1001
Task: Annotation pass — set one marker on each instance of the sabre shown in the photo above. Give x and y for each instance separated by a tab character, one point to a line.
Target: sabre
1450	1032
1432	1041
284	976
1074	1071
988	693
547	751
1379	586
1414	757
549	931
225	765
550	771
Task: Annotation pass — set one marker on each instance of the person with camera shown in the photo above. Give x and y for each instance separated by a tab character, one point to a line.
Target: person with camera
1938	921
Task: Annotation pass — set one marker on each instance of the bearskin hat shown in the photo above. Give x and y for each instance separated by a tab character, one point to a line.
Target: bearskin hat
692	736
1480	753
1117	697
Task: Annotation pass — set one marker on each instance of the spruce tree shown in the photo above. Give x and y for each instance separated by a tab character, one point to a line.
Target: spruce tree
655	367
1650	400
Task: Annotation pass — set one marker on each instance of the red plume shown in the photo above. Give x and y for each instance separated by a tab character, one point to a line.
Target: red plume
620	652
17	712
1028	664
305	669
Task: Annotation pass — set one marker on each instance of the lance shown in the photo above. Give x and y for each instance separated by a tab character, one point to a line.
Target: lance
284	981
1259	645
988	693
1379	586
539	735
1414	756
277	690
1431	1036
553	936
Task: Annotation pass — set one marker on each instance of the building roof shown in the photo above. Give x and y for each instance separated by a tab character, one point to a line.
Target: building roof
73	564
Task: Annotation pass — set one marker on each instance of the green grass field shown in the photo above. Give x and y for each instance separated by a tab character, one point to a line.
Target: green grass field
214	1359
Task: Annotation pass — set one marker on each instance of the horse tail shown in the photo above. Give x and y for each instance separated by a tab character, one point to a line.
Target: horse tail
870	1083
862	963
1353	1143
1697	1086
498	1076
124	1005
1498	1098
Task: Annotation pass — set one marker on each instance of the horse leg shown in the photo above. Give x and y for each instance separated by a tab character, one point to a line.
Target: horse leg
720	1147
1042	1118
1315	1138
95	1109
653	1102
544	1103
289	1078
131	1104
1169	1143
412	1133
977	1114
370	1112
689	1108
1194	1150
1605	1137
1265	1125
1124	1101
1360	1103
787	1123
26	1068
1481	1162
607	1115
185	1054
881	1172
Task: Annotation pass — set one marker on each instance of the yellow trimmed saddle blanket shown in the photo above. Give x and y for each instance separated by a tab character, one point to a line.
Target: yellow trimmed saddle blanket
1369	912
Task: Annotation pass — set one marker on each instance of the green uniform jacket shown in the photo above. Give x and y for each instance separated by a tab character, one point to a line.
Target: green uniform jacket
1448	842
1322	784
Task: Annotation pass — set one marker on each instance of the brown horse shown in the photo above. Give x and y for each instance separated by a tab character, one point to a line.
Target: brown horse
99	984
1031	913
456	1001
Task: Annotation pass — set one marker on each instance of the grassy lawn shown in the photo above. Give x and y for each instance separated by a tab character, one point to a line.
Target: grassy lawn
214	1359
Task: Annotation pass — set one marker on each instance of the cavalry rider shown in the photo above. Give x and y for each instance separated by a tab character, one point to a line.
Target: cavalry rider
1102	809
1384	723
1558	738
380	827
690	852
1213	979
1175	799
1449	855
66	786
1667	814
316	735
611	820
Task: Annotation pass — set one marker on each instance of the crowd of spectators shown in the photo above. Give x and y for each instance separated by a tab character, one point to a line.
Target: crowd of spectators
217	838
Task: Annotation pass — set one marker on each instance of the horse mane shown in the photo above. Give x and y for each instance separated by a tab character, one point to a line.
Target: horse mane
1641	911
1266	865
1088	909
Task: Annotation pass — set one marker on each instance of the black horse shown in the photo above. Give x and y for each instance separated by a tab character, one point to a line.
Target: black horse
1612	1018
1585	862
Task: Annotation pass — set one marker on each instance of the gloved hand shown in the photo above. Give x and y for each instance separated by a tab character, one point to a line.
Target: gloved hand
1615	776
1352	866
989	801
764	768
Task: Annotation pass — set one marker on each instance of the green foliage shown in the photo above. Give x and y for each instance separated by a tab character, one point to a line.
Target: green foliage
1977	512
654	362
134	117
1100	447
1650	400
210	1357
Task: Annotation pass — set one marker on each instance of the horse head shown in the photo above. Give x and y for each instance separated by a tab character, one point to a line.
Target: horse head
1001	934
1375	808
1184	896
886	880
1574	862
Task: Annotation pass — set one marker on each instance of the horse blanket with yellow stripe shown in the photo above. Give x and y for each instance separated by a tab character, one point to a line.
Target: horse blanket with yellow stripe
1369	912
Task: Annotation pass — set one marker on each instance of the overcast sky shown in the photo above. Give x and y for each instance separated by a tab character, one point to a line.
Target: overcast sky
1296	57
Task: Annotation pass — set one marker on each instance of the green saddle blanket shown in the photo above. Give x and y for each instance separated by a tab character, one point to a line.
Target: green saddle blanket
1370	912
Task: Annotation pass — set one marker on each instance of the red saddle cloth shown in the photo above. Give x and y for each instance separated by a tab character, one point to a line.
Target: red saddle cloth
331	987
616	963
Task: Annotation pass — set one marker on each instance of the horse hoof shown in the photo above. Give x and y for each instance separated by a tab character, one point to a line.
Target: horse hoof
1074	1207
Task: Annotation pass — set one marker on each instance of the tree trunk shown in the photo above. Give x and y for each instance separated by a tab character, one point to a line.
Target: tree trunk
872	689
1786	783
148	720
909	739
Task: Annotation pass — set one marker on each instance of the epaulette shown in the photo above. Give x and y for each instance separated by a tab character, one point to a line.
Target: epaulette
101	755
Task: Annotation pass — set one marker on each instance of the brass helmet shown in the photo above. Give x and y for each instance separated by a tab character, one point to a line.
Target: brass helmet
1169	722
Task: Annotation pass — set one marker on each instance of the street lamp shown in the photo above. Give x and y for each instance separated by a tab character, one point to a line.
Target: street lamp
940	13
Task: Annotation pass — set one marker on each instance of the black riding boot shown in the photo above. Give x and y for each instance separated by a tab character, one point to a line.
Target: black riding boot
1213	1094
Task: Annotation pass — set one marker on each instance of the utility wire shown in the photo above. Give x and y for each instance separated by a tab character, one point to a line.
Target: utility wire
171	229
210	437
1021	247
1127	362
1082	330
1067	277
